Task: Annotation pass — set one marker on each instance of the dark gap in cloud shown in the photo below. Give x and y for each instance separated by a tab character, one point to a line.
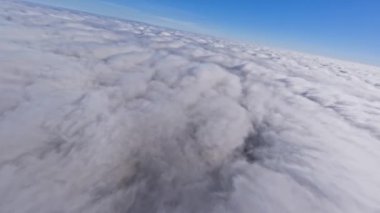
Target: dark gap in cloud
253	142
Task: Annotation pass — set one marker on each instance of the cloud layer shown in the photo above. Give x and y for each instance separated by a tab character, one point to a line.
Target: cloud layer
105	115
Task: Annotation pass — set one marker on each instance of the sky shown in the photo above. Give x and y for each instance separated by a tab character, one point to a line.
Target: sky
347	29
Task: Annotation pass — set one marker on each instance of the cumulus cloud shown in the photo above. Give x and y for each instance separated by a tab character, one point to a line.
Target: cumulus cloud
103	115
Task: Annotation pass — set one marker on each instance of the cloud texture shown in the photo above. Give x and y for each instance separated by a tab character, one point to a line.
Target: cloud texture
104	115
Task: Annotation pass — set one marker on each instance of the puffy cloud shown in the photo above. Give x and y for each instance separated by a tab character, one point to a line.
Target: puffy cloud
104	115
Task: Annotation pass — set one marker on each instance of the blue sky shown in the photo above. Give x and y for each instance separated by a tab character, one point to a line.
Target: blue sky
348	29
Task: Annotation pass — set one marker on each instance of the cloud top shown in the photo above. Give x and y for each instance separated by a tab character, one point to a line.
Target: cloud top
104	115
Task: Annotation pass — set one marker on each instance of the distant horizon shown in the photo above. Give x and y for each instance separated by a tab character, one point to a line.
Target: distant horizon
112	108
365	51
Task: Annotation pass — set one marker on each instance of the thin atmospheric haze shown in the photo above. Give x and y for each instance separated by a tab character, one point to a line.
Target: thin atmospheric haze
346	29
140	107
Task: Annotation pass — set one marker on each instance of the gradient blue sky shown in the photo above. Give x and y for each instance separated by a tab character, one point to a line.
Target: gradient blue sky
348	29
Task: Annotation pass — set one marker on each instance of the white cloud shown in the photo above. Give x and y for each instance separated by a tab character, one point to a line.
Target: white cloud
103	115
122	11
